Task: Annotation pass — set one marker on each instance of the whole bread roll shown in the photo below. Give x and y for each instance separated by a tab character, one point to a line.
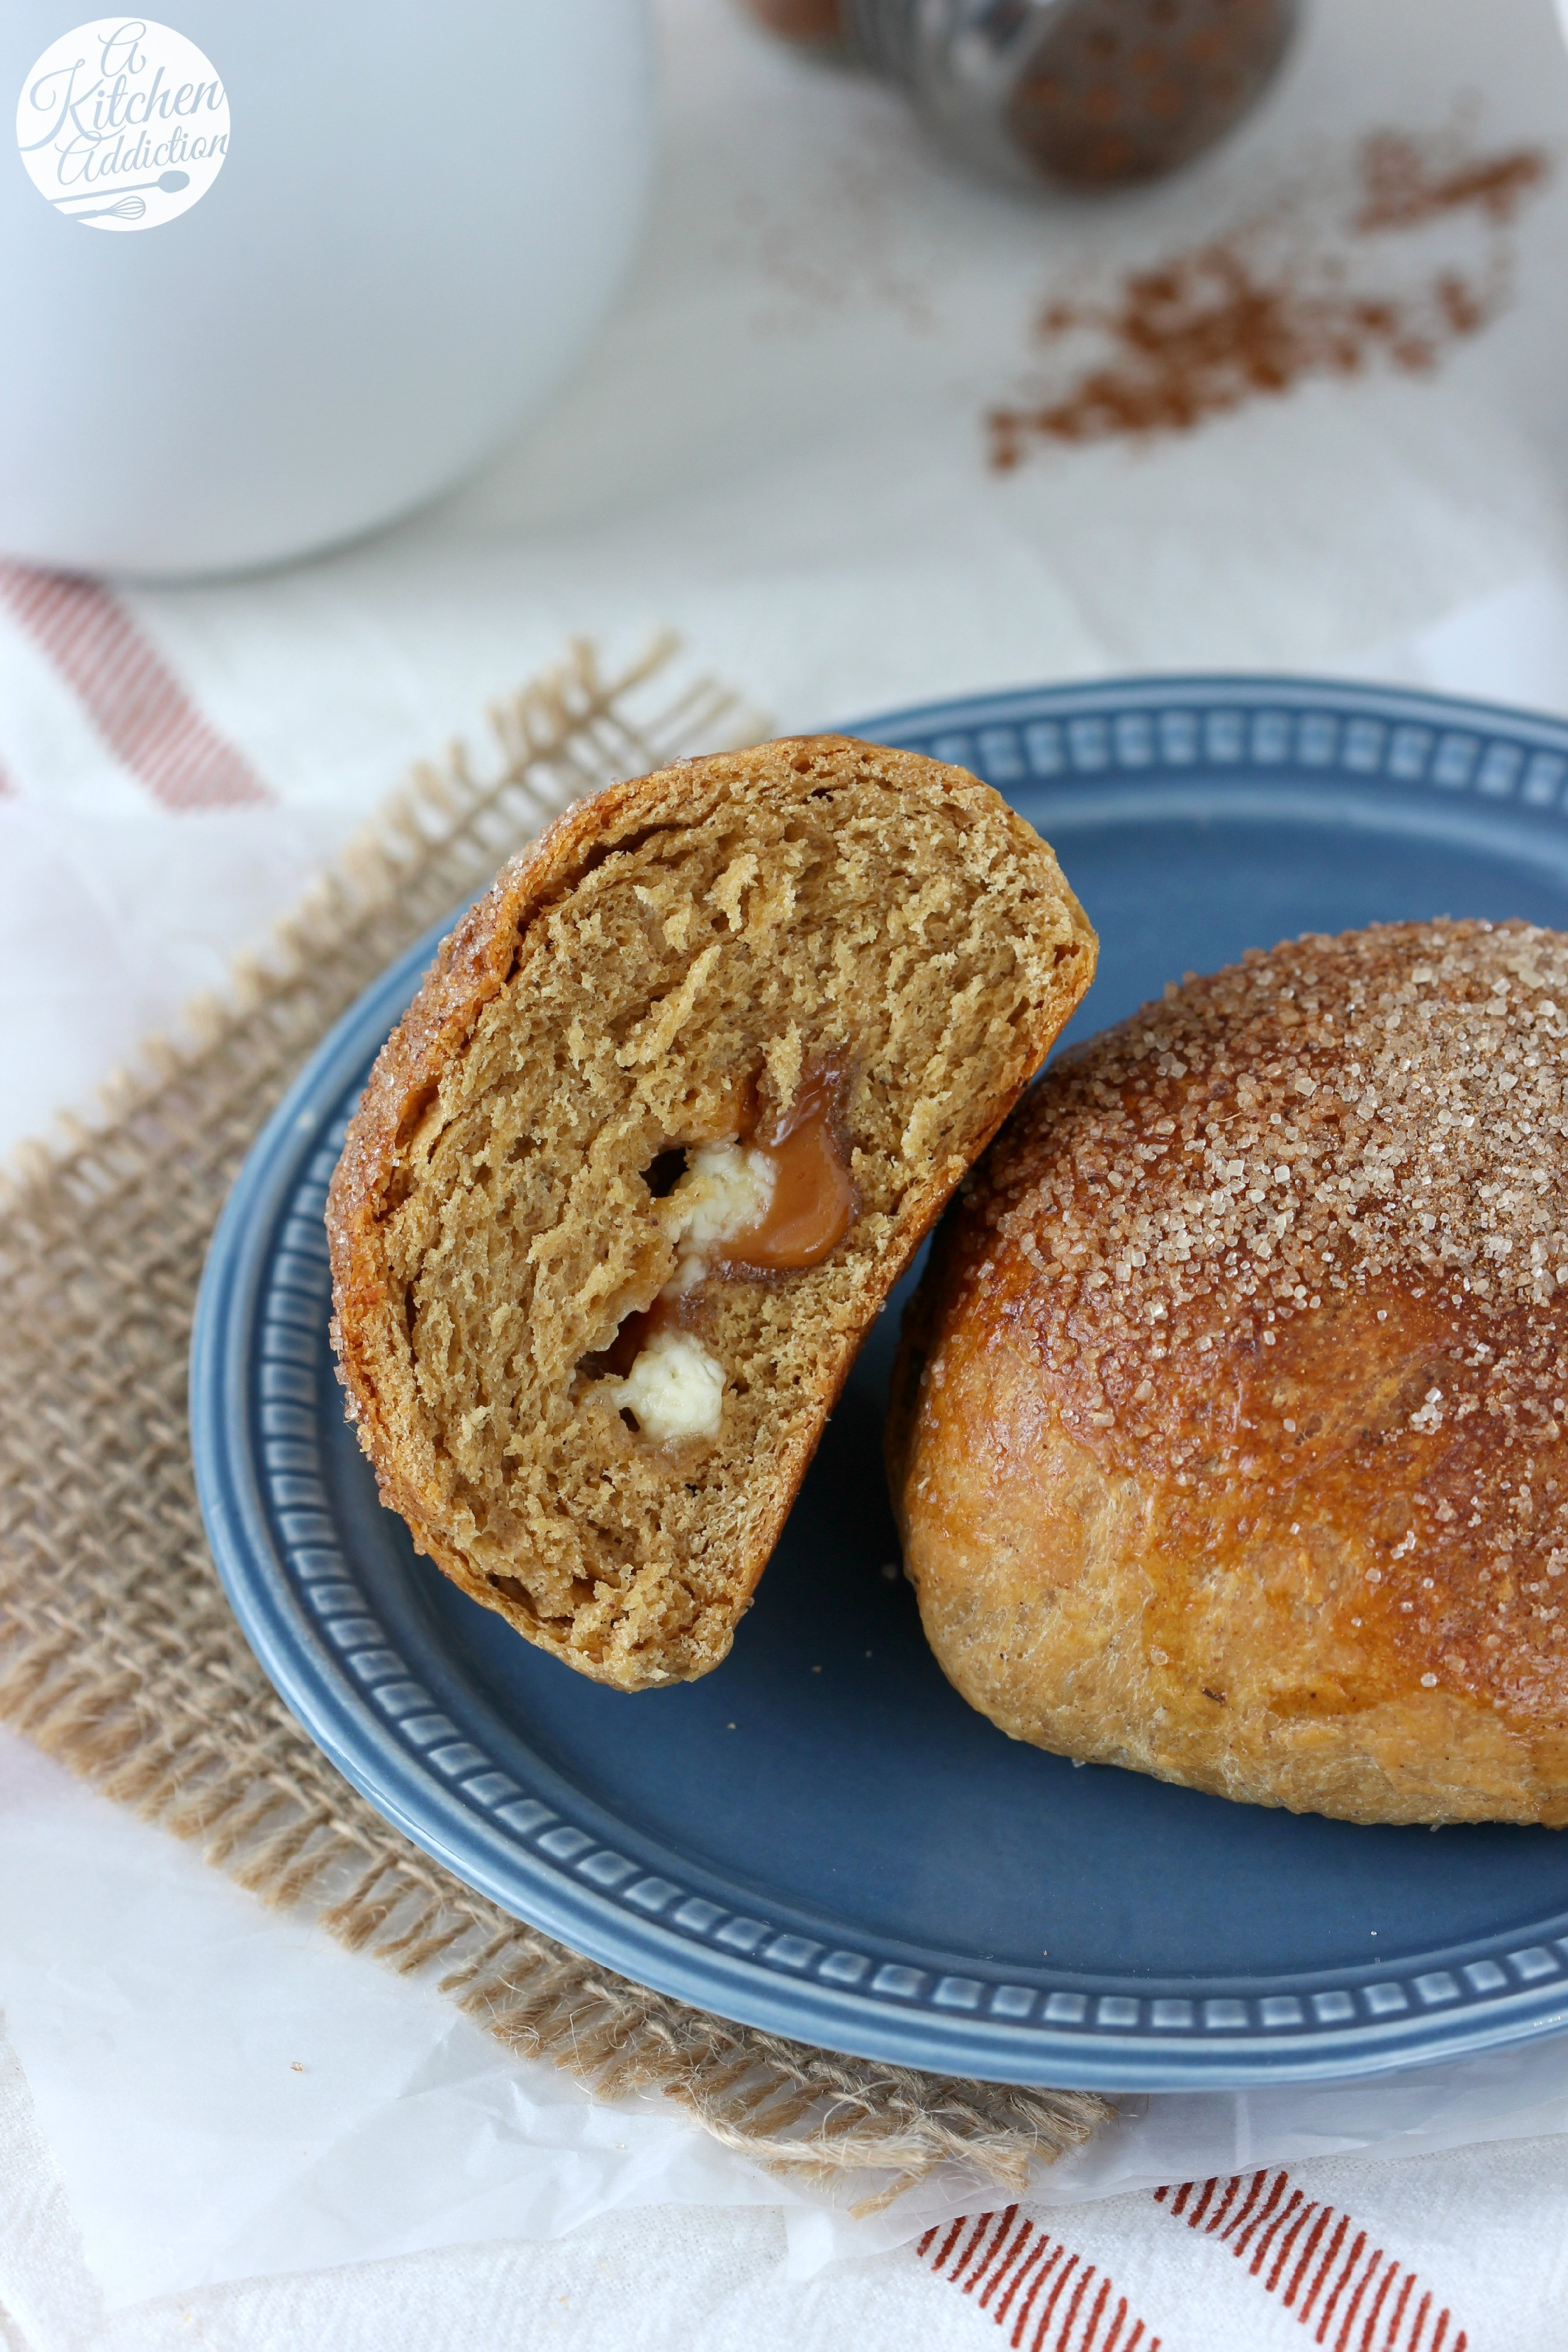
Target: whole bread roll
669	1115
1227	1440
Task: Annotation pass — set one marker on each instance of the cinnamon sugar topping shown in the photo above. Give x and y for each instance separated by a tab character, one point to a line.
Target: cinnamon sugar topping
1389	1104
1310	1207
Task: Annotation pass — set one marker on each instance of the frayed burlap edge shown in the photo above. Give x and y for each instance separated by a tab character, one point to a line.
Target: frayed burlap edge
118	1652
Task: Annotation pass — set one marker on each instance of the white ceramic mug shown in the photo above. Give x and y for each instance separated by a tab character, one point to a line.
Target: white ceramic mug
420	216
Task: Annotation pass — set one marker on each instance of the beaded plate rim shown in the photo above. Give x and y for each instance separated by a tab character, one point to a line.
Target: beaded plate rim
262	1388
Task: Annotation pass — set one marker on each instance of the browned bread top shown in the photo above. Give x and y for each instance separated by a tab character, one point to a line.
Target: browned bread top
673	971
1230	1442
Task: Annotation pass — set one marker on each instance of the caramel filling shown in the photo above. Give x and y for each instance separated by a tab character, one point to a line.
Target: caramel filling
814	1201
773	1203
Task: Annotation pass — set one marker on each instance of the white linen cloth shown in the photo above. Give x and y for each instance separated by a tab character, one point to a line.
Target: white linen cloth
778	447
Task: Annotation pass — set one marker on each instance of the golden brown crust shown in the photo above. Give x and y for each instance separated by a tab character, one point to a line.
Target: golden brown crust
1228	1442
387	1151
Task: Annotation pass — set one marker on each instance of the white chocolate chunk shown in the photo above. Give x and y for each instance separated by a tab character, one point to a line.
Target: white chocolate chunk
727	1189
675	1389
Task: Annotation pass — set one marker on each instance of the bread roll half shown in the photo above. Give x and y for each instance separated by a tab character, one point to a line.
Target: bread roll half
1228	1440
628	1184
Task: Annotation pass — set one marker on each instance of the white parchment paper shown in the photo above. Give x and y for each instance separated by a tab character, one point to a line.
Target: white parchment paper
230	2095
229	2092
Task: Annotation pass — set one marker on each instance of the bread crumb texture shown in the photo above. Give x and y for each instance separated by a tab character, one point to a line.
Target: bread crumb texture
1229	1439
535	1163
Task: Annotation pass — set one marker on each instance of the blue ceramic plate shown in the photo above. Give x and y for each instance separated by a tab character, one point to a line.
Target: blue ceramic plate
821	1838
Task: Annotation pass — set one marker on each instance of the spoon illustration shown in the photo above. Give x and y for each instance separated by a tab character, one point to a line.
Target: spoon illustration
128	208
171	183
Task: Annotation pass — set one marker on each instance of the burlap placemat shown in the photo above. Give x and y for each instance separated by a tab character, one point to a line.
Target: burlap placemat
117	1651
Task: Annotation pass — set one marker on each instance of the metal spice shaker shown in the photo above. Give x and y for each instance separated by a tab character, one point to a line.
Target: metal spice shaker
810	24
1082	93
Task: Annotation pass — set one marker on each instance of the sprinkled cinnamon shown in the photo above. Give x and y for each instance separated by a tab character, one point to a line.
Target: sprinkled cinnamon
1406	186
1258	311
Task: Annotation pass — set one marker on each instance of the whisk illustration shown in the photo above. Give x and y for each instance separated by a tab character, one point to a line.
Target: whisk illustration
129	208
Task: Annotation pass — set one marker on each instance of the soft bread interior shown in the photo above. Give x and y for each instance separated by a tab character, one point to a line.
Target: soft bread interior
732	929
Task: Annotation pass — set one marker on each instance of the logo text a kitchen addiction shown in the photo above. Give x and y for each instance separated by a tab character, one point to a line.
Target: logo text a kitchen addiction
123	124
